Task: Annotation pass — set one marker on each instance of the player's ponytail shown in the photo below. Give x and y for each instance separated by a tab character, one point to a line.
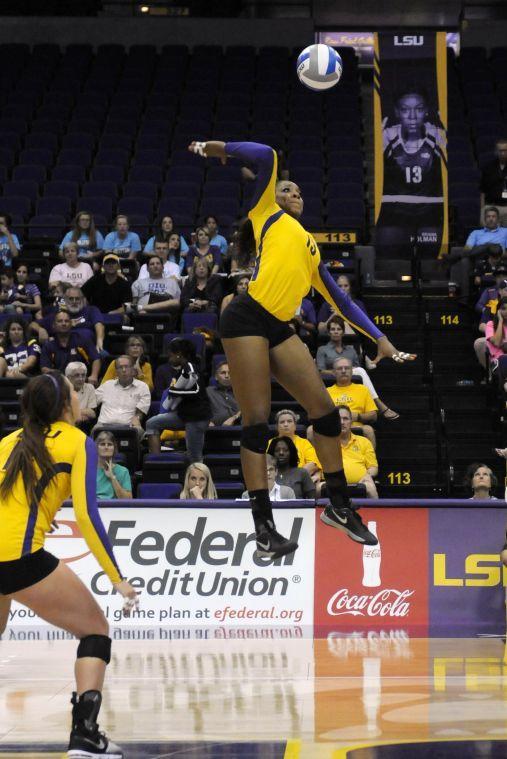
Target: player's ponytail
43	402
246	243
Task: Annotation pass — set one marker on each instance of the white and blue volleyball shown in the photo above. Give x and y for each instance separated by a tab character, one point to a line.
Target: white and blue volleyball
319	67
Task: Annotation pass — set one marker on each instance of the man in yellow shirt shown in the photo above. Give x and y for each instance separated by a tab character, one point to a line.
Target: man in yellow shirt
359	459
357	397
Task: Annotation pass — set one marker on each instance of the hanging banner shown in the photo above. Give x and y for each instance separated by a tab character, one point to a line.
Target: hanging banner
410	114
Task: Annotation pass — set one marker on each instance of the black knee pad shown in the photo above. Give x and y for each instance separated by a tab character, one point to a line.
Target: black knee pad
328	425
96	646
255	437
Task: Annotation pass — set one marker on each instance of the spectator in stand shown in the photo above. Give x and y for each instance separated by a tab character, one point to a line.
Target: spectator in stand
136	348
9	243
240	286
85	320
19	355
8	293
304	322
327	355
202	290
125	401
286	421
121	241
240	240
491	236
357	397
113	480
73	271
289	472
496	340
224	407
27	294
89	241
165	231
490	294
171	268
484	272
202	248
198	484
184	404
480	480
66	346
156	292
359	459
211	224
276	492
76	374
488	314
494	179
108	290
326	311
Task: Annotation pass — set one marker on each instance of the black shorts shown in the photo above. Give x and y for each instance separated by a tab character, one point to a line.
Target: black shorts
244	317
19	574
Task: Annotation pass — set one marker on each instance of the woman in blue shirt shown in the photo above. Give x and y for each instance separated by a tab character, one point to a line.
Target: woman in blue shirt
164	232
9	243
123	243
113	480
90	242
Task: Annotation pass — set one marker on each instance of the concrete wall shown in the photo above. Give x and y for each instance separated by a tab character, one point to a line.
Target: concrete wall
157	31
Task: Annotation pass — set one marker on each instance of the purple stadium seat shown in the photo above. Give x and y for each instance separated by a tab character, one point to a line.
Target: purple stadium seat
221	190
175	189
146	174
18	187
3	174
342	211
222	207
43	157
10	140
74	157
54	206
113	141
224	174
80	140
46	226
140	224
99	189
43	140
61	188
149	157
112	157
159	490
19	126
96	206
337	174
183	158
186	173
107	173
17	206
139	206
69	173
140	190
88	125
185	207
197	339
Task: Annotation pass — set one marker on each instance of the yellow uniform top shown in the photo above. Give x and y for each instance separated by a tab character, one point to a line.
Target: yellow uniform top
288	260
145	374
358	457
356	397
25	525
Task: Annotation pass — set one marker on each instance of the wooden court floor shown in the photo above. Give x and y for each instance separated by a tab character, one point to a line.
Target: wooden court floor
268	694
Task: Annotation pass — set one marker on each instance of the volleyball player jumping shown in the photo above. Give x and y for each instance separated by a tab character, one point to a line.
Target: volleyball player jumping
40	466
259	343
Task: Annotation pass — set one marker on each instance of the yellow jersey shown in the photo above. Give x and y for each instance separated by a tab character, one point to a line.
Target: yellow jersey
356	397
24	524
358	456
288	261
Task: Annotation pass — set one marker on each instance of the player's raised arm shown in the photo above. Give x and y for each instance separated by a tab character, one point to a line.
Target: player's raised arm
327	287
261	158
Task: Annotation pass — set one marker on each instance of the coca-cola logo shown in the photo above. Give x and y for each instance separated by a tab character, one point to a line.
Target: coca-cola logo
387	602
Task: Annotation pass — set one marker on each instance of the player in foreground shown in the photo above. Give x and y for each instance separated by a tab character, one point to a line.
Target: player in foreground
259	343
40	466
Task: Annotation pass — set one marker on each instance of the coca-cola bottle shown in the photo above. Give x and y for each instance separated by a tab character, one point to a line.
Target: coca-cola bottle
372	557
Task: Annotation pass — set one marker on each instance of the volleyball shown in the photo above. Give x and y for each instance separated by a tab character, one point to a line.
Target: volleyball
319	67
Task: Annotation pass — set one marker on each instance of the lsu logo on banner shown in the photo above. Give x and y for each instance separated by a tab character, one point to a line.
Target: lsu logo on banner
408	39
379	587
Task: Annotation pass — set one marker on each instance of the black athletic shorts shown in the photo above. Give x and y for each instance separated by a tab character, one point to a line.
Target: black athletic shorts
244	317
19	574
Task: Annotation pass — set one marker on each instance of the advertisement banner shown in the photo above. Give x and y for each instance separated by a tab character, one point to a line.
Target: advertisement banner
374	588
467	588
194	568
410	114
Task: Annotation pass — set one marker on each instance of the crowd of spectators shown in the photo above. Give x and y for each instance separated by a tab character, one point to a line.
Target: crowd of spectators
63	321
